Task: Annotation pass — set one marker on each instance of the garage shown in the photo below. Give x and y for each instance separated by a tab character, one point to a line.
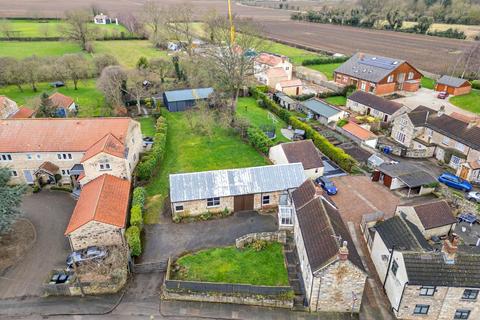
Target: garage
453	86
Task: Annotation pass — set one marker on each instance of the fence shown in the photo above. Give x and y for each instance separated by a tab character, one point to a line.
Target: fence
150	267
61	289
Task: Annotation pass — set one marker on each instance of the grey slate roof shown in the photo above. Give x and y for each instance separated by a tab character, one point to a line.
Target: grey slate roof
188	94
420	114
231	182
430	269
284	97
321	108
375	102
451	81
304	152
402	234
455	129
417	179
435	214
369	67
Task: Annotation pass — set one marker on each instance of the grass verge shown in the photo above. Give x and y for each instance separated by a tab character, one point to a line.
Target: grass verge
147	125
427	83
469	102
326	69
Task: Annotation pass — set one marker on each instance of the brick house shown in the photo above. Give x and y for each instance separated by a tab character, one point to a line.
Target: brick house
378	75
332	271
99	218
303	151
369	104
270	69
420	282
449	139
254	188
453	86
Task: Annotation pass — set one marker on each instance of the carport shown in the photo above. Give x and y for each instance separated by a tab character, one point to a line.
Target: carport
418	182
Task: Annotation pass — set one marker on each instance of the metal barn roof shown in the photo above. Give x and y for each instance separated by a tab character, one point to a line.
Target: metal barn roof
321	108
231	182
188	94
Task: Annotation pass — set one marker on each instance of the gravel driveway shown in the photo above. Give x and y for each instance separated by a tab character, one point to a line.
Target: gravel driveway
49	212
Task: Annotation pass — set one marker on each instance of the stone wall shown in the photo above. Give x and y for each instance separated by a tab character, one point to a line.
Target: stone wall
198	207
95	234
278	236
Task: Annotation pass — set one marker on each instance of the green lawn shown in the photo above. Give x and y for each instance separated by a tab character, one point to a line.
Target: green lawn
23	49
127	52
248	108
427	83
87	97
147	125
189	151
470	102
296	55
336	100
231	265
327	69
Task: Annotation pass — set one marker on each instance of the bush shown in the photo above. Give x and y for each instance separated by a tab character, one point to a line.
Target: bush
138	197
136	217
476	84
342	122
259	245
324	60
449	33
150	162
259	139
133	239
304	97
65	189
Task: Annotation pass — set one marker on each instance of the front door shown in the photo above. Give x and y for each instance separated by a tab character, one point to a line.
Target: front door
28	176
243	203
464	173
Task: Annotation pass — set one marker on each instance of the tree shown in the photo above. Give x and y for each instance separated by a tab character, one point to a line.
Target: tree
32	71
78	28
161	67
395	19
112	83
102	61
424	24
10	199
142	63
178	25
6	28
138	86
153	18
45	108
76	66
11	72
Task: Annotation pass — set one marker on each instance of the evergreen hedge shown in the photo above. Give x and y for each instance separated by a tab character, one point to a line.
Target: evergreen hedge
324	60
259	140
138	198
151	161
133	239
136	217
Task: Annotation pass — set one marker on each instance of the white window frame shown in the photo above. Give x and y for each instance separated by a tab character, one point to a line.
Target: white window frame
267	198
286	217
460	146
5	157
104	166
446	140
29	156
429	132
38	156
14	173
363	86
65	172
462	314
215	202
400	137
410	76
176	207
390	78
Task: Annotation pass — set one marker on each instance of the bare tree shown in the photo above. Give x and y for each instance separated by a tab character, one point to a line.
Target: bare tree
111	82
153	18
102	61
161	67
471	55
78	28
178	25
138	86
77	67
32	71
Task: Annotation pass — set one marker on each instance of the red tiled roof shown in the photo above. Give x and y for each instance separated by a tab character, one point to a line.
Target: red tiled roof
276	72
358	131
108	144
49	167
269	59
23	113
61	100
104	199
291	83
51	135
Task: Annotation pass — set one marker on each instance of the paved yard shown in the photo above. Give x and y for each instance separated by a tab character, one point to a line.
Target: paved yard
49	211
358	195
168	239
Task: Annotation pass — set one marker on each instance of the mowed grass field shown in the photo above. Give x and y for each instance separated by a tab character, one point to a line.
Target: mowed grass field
295	55
470	102
327	69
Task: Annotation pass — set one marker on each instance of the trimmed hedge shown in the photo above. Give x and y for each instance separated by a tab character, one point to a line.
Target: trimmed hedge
133	239
324	60
259	140
476	84
336	154
138	198
151	161
136	217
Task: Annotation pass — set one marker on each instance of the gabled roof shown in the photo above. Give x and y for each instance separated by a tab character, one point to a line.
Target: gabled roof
188	94
402	234
435	214
456	130
321	108
23	113
304	152
323	232
269	59
375	102
276	72
409	174
51	135
61	100
452	81
232	182
304	194
108	144
48	167
359	132
290	83
104	199
430	269
420	114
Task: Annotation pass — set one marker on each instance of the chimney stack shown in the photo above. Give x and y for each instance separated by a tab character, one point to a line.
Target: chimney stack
318	192
473	123
449	248
343	251
441	111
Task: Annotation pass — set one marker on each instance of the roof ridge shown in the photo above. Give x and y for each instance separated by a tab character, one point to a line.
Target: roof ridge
410	231
97	201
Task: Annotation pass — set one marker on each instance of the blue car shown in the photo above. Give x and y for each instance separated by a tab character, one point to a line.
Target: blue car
453	181
327	185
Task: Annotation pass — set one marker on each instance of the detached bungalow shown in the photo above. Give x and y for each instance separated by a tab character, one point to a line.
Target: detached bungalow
372	105
322	111
452	85
304	152
254	188
432	219
181	100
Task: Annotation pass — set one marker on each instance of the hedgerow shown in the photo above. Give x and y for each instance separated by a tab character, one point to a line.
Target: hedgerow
133	239
151	161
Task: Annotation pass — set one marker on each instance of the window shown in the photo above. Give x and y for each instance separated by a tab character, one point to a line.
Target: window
38	156
14	173
64	156
5	157
390	78
410	75
364	86
446	141
371	88
429	132
213	202
400	137
427	291
459	146
286	216
266	199
105	166
29	156
455	161
421	309
461	314
470	294
178	207
65	172
394	267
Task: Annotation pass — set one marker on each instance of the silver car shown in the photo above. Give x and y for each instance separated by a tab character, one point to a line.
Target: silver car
474	196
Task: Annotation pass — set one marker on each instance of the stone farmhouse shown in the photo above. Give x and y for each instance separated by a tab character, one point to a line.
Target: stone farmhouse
271	69
304	152
372	105
332	271
10	110
378	75
448	139
422	282
232	190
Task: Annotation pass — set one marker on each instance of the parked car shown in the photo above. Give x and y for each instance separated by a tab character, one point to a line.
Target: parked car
453	181
80	256
442	95
327	185
57	84
59	277
474	196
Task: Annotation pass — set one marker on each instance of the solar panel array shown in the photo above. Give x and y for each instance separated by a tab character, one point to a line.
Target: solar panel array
383	63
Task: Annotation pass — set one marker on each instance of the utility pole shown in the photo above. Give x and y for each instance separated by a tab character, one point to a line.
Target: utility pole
232	27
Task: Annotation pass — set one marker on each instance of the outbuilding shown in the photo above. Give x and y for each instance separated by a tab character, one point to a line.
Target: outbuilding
304	152
322	111
453	85
181	100
359	134
369	104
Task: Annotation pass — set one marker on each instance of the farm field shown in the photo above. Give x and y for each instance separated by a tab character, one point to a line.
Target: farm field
469	30
296	55
327	69
189	151
470	102
87	97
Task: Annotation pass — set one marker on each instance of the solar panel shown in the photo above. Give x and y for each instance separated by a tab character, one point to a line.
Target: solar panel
383	63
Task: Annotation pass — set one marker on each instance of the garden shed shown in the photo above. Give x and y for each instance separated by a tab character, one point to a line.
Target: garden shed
181	100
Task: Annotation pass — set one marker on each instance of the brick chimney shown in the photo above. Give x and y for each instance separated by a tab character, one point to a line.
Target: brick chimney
318	192
449	248
441	111
343	251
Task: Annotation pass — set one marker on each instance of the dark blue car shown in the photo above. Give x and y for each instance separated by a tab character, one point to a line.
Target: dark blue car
327	185
453	181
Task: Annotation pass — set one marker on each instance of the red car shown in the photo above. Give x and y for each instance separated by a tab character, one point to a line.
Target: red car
442	95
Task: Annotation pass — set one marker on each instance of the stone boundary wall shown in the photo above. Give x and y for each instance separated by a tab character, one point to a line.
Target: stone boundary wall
276	236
